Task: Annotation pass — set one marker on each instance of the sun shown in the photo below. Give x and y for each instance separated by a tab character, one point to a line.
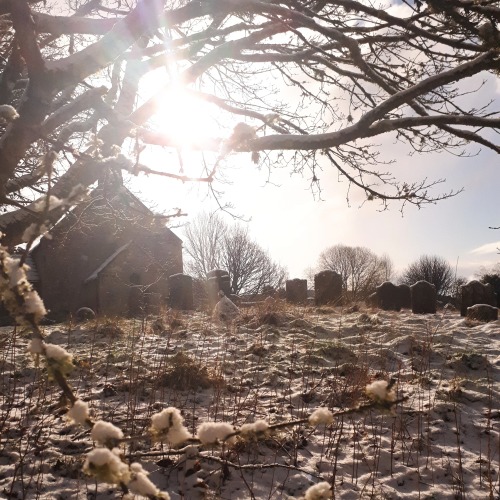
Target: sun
185	117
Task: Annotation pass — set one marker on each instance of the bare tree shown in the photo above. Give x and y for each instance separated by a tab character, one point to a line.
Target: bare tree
309	273
355	71
250	268
386	268
433	269
361	269
204	240
211	243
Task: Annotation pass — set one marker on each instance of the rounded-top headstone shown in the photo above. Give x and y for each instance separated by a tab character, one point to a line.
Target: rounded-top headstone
84	314
423	298
482	312
388	296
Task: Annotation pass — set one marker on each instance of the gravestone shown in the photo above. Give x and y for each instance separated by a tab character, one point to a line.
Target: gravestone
423	298
327	288
225	310
296	291
217	281
482	312
388	297
476	292
180	292
84	314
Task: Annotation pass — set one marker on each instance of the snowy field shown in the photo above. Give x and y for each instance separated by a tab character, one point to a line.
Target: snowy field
275	363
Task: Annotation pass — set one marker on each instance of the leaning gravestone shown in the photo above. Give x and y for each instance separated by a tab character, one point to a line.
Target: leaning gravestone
388	297
327	288
482	312
423	298
225	310
180	292
296	291
476	292
217	281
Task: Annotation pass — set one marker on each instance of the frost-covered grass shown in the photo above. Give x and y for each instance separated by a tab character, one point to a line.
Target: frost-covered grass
273	365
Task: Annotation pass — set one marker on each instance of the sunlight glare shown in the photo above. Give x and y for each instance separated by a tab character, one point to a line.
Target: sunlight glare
185	117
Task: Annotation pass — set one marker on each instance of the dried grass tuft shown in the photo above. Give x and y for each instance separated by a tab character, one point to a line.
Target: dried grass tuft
184	373
110	327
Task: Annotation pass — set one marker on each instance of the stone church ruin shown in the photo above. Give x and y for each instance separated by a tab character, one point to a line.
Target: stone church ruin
110	254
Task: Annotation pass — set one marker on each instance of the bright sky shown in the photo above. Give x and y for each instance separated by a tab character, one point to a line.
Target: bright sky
287	220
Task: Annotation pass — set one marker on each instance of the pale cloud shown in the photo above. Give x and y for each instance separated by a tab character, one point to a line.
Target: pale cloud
488	248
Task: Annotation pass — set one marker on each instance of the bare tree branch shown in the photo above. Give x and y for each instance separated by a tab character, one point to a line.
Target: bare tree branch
318	79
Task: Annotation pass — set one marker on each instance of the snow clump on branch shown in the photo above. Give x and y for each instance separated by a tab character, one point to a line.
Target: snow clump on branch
140	484
8	113
57	353
320	491
35	346
34	230
168	425
119	161
48	203
251	430
79	412
15	272
106	466
272	118
51	202
59	361
213	432
105	433
242	133
33	304
381	391
22	302
321	416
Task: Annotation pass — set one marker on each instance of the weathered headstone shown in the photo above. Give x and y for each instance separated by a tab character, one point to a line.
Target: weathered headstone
404	296
388	296
296	291
476	292
423	298
84	314
327	288
217	281
180	292
482	312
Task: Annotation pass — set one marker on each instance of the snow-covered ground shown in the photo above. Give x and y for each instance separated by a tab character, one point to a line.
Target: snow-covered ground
277	364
